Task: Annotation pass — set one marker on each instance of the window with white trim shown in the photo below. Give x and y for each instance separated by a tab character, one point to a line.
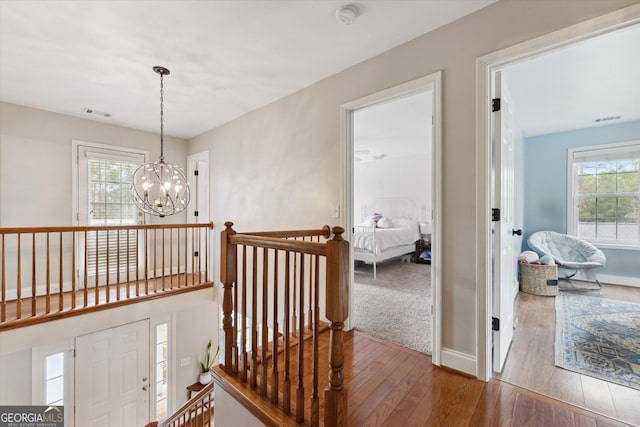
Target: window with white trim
54	379
604	194
162	370
103	195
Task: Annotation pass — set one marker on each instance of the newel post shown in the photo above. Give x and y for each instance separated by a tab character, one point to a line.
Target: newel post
337	312
228	275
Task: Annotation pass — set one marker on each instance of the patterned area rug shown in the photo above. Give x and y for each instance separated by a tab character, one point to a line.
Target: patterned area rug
599	337
395	306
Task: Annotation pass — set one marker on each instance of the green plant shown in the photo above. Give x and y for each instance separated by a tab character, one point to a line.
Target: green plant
206	365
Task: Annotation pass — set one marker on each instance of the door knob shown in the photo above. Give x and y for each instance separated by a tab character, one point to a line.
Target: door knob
146	387
144	379
516	232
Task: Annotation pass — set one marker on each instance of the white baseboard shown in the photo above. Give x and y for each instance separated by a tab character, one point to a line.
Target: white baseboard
459	361
619	280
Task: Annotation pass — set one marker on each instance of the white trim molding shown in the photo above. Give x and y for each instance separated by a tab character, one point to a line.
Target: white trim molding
459	361
486	66
432	82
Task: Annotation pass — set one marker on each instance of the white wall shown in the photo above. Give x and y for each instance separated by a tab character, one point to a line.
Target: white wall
408	177
279	166
35	162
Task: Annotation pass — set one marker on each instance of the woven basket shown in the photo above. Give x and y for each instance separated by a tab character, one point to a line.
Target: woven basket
539	279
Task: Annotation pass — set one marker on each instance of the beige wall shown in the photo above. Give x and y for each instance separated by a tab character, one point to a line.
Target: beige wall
35	162
279	166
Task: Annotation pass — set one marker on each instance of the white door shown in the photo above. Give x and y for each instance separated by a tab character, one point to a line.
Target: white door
112	377
199	182
505	255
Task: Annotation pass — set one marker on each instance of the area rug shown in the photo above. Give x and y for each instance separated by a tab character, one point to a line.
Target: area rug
598	337
396	306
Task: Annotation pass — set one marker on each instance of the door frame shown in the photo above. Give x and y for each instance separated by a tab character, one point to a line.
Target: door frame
485	68
431	82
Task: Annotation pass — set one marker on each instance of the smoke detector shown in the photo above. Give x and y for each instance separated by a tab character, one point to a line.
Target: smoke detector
345	15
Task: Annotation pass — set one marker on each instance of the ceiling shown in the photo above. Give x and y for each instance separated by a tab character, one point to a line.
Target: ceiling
226	57
573	87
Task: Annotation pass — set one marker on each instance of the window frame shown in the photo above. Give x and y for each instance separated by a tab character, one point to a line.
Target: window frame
80	184
572	209
39	381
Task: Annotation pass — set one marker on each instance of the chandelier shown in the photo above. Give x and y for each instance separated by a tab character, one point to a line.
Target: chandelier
160	188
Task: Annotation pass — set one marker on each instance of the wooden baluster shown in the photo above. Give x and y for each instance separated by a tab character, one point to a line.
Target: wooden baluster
206	255
155	260
60	287
315	400
234	350
118	250
106	288
178	257
294	319
310	309
337	311
274	350
96	290
163	255
193	256
128	290
253	377
19	281
286	381
146	261
228	275
243	335
47	308
137	262
3	308
86	273
200	255
300	387
171	259
33	274
186	250
265	328
73	270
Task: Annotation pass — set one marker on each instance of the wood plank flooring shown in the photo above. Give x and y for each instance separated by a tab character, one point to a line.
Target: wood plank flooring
530	363
388	385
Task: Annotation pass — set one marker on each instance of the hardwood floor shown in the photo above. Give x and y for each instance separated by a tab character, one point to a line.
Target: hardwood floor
389	385
530	363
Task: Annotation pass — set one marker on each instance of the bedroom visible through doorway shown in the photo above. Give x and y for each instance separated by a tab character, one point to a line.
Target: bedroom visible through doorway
392	184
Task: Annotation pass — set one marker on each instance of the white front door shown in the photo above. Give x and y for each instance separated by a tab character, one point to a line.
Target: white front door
198	165
505	255
112	377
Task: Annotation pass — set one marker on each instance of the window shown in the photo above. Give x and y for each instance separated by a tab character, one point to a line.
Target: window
604	194
162	377
103	198
54	379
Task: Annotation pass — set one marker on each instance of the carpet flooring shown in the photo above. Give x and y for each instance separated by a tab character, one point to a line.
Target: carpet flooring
598	337
396	306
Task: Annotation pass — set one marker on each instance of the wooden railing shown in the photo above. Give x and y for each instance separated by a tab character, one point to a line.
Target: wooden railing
274	285
48	273
197	412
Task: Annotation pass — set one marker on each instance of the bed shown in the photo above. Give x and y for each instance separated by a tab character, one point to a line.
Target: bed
389	228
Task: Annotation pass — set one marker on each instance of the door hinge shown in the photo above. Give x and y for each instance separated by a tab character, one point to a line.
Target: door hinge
495	324
495	105
195	213
495	214
195	172
196	253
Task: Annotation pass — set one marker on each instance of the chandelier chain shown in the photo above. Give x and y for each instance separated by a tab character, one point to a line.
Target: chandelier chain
161	117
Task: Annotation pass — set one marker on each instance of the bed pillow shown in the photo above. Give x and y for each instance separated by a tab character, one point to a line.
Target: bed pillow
384	222
368	223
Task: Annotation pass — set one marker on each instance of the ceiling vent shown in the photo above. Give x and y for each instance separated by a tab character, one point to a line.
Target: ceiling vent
94	112
607	119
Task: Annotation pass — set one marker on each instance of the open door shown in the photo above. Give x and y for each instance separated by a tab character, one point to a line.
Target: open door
505	255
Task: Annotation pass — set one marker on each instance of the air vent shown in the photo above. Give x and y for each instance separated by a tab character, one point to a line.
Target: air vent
94	112
607	119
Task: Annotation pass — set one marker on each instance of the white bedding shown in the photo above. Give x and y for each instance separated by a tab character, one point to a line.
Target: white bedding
402	232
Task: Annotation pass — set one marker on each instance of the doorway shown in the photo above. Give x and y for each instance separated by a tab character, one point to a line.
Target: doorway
112	385
490	266
429	84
